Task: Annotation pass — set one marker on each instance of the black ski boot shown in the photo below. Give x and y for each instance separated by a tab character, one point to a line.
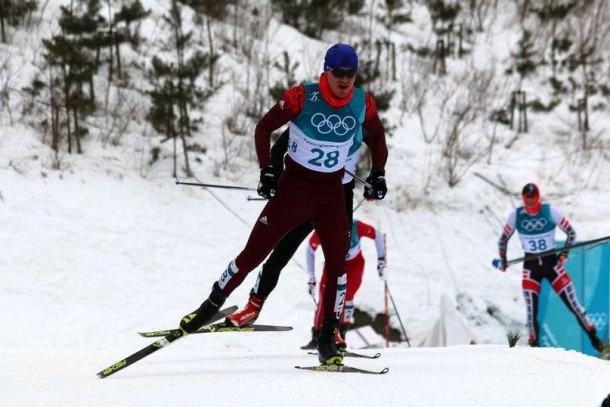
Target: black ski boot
193	321
327	349
597	344
313	344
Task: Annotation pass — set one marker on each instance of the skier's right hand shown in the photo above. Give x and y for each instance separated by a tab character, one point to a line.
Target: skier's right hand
267	186
503	264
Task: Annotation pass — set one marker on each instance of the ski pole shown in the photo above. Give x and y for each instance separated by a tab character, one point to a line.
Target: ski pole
199	184
496	262
387	316
385	298
254	198
398	315
359	204
366	184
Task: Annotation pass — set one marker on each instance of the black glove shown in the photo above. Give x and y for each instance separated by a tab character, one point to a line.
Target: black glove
267	186
378	187
503	264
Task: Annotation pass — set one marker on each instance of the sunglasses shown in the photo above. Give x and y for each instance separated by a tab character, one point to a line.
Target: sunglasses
341	73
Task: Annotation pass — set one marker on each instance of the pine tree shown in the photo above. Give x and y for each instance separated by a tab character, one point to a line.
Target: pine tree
523	58
288	68
395	14
175	91
120	31
205	12
13	13
72	64
314	17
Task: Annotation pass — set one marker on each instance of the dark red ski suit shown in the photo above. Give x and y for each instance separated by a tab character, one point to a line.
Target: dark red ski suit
303	195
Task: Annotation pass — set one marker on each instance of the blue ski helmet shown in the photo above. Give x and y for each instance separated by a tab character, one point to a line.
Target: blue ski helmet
341	56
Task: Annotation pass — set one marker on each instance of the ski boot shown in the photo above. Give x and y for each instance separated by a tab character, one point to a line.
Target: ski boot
249	314
597	344
313	344
327	348
193	321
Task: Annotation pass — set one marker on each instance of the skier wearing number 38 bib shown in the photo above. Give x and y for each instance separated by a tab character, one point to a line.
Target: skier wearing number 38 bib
326	119
535	222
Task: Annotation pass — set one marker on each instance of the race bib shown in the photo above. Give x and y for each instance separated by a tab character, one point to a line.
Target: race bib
317	155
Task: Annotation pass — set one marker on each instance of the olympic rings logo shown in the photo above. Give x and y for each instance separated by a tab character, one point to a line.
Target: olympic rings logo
599	319
531	225
339	126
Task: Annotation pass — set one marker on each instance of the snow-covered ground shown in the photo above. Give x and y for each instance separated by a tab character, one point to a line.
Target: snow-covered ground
90	259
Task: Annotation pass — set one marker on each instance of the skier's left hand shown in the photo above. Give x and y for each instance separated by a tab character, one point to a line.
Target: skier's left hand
378	188
311	286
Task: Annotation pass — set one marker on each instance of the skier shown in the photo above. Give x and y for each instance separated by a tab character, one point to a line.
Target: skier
326	118
535	223
354	264
269	275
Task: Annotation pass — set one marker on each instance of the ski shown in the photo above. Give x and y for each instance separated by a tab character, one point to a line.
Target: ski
223	313
141	354
220	327
605	353
342	369
349	354
155	346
